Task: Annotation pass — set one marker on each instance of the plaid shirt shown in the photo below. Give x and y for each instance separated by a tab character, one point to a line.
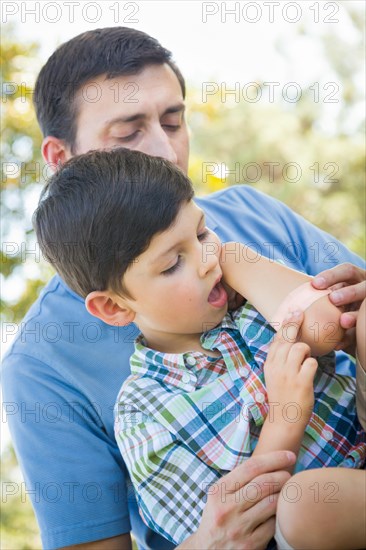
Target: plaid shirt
184	420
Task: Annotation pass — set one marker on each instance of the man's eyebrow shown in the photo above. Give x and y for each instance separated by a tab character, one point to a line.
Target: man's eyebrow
176	245
180	108
139	116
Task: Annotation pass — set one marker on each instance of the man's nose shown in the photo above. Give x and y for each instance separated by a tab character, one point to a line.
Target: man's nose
161	146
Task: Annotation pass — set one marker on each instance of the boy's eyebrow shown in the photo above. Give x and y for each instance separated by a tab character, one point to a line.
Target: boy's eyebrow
180	107
166	252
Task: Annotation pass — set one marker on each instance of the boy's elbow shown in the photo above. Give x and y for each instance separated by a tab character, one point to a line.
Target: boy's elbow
321	328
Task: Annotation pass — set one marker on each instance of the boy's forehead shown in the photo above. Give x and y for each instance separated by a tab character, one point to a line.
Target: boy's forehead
189	218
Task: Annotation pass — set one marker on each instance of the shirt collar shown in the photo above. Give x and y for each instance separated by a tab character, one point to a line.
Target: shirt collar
168	368
176	369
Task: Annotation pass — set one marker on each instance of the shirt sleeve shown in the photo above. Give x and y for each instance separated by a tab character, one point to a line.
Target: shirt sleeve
171	482
274	230
299	243
74	474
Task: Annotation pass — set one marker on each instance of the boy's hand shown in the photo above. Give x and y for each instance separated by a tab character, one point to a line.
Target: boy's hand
289	374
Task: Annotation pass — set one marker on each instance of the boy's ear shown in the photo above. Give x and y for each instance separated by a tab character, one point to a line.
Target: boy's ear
102	305
55	151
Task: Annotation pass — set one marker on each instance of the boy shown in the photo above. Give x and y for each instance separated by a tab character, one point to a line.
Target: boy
196	403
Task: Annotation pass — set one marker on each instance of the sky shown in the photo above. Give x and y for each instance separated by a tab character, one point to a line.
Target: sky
227	41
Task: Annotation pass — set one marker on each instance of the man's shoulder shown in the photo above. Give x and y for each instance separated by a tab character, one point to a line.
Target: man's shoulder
239	201
60	347
55	304
56	294
242	192
242	213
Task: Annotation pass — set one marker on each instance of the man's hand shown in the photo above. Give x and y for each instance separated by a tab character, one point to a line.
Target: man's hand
349	282
241	507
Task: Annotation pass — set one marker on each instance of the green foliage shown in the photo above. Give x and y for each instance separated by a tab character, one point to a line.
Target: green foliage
21	172
18	527
283	149
283	154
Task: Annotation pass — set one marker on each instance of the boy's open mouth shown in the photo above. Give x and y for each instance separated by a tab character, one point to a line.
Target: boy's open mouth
217	296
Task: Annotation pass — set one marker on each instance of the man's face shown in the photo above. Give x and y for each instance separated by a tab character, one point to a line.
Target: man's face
175	283
144	112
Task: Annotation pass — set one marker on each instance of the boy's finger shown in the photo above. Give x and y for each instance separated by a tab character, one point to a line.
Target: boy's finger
298	353
285	337
290	327
308	368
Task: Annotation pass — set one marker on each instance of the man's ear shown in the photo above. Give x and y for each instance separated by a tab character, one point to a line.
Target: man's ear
55	152
103	305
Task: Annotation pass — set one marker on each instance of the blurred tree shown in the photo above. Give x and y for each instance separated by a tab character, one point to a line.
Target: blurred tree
19	530
309	153
21	179
21	275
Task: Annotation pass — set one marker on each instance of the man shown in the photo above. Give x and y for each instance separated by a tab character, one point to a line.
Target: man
103	89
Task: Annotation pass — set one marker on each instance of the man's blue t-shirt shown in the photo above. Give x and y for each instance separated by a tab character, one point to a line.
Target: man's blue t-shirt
65	368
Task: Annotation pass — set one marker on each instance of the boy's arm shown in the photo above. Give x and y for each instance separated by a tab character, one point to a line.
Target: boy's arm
266	284
289	373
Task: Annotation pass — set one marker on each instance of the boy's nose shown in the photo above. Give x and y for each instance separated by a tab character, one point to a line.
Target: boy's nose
209	258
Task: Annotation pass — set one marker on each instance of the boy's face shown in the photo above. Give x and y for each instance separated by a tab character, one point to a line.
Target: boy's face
144	112
175	283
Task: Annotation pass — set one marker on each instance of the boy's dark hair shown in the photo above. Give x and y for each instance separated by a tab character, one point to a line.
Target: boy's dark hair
113	51
99	212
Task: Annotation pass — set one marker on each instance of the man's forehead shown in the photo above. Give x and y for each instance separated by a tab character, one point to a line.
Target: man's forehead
126	87
140	114
131	96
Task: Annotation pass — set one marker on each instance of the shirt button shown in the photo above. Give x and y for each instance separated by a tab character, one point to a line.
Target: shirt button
186	378
327	435
244	371
191	361
259	397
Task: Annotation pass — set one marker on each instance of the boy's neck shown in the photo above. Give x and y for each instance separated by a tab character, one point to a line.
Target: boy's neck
177	343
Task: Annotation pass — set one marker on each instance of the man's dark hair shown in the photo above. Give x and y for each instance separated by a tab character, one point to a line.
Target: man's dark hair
113	51
99	212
